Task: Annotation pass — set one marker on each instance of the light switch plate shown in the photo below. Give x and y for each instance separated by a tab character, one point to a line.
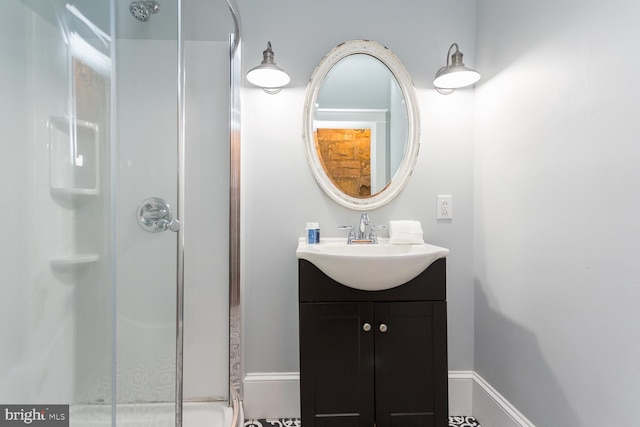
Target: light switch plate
444	206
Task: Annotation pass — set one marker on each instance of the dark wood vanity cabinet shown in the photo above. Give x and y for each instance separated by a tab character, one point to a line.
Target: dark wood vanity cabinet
373	358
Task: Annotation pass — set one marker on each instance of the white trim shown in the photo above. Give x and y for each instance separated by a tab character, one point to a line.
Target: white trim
277	395
460	392
461	375
272	395
491	408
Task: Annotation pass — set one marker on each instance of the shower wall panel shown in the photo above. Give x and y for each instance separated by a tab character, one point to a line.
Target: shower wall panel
41	362
51	225
57	343
206	323
14	173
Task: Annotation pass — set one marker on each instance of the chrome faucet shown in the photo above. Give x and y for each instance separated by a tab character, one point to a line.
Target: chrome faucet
366	232
362	230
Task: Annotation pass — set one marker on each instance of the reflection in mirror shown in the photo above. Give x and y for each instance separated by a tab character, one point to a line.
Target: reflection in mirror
361	125
359	106
345	153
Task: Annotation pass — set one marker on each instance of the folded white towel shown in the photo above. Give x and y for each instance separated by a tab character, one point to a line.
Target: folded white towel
406	232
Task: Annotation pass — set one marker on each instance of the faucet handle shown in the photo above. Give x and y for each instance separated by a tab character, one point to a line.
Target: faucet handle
352	232
372	233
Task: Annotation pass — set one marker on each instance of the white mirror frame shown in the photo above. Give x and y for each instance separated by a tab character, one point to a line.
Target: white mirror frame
412	146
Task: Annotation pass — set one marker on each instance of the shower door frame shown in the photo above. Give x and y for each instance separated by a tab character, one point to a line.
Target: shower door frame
180	216
235	302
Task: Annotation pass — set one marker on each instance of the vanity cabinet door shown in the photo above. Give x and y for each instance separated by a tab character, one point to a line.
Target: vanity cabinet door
411	364
373	362
336	364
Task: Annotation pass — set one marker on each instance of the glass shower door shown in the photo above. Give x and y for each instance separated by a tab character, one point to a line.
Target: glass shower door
89	129
91	119
146	171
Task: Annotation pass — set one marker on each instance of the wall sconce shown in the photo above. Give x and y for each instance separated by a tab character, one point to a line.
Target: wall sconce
454	75
267	75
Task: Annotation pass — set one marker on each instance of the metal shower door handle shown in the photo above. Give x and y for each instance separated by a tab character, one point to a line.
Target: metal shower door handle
154	215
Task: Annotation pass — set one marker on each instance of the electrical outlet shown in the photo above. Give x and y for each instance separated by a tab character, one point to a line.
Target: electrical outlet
444	206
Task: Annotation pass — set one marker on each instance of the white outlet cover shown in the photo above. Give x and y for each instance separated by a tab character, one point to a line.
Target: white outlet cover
444	207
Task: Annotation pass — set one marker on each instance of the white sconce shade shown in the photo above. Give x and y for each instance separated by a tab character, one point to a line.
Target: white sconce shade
268	75
454	75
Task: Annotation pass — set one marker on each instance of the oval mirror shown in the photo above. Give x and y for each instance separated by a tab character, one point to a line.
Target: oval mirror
361	125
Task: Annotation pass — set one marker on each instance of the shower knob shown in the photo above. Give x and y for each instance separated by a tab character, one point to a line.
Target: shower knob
154	215
164	225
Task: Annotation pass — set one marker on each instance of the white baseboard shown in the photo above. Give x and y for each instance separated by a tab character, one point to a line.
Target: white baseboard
460	393
272	395
492	409
277	395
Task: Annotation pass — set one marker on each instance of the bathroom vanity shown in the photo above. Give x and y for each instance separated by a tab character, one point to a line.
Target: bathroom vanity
373	319
373	358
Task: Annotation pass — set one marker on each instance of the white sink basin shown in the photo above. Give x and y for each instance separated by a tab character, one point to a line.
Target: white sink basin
369	267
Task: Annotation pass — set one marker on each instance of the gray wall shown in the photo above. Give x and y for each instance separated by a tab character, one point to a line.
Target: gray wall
279	191
556	209
550	159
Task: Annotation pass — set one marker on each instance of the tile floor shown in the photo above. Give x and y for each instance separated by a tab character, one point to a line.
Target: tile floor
455	421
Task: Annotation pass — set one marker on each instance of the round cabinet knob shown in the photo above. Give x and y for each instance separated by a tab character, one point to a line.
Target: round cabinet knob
366	327
383	327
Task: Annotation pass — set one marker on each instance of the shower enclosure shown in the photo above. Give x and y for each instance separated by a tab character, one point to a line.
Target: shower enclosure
107	305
